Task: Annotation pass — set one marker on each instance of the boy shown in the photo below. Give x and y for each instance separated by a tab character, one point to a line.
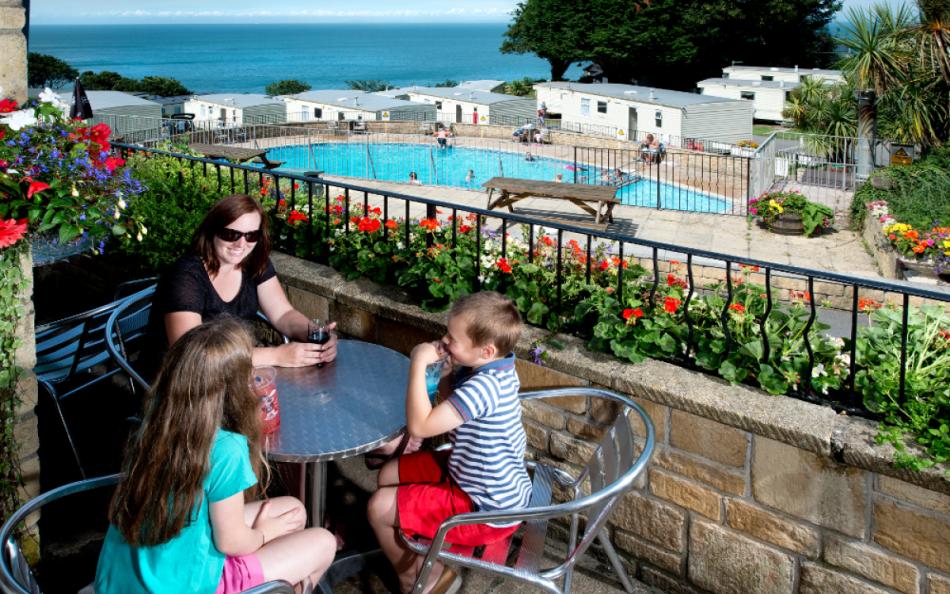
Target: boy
485	470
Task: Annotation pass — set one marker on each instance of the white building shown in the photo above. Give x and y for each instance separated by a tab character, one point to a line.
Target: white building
776	73
629	111
470	106
353	105
236	109
768	87
480	85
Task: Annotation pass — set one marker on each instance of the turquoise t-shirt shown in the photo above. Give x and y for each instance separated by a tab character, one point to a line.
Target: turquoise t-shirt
189	562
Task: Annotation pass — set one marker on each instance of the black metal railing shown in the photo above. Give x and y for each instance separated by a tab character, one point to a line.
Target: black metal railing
840	303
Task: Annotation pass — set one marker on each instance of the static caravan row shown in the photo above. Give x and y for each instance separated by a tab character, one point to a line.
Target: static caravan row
470	105
353	105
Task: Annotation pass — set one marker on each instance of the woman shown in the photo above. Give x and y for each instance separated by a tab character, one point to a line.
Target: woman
229	272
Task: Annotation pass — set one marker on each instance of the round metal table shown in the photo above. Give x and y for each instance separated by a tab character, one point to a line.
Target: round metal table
345	408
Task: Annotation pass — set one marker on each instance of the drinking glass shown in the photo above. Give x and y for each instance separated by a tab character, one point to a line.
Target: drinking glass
265	388
318	333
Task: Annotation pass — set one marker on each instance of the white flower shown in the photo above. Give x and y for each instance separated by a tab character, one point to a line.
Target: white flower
20	119
818	371
117	215
121	203
139	236
48	96
75	192
144	230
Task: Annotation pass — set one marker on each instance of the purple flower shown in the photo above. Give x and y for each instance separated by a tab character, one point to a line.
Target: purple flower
537	354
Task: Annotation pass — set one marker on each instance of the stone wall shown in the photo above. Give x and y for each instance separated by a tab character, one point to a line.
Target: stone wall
746	493
12	50
26	430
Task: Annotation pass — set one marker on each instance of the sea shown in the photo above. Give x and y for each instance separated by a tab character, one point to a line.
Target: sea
244	58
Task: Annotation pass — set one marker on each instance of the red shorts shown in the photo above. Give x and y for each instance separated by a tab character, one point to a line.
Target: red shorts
427	496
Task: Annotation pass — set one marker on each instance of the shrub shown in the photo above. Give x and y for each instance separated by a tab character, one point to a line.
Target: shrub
918	196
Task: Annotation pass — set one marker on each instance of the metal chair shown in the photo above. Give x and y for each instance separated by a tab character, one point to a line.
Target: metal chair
128	322
16	576
71	355
609	474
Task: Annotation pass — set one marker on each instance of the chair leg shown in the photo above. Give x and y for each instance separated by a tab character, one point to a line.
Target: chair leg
615	561
62	419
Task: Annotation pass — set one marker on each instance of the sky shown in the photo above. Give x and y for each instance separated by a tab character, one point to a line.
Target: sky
254	11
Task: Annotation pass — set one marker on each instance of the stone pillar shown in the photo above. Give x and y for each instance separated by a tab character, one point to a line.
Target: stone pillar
867	123
27	428
13	50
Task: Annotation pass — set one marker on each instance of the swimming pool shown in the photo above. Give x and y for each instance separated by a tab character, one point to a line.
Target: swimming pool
451	167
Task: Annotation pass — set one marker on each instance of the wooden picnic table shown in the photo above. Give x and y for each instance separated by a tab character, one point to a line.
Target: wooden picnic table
234	153
512	190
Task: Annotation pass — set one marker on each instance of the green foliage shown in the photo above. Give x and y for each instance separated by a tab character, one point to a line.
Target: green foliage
447	83
48	71
12	285
370	85
287	87
685	41
113	81
924	409
918	195
523	87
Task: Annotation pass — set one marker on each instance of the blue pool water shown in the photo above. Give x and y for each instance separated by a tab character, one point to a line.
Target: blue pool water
450	167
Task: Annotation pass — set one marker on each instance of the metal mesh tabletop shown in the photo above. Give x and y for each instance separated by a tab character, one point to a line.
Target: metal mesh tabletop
345	408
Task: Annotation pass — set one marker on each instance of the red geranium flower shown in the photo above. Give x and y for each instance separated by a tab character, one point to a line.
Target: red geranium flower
604	264
35	186
671	304
865	304
547	241
737	307
464	228
296	216
635	313
503	265
7	105
429	224
369	225
11	231
391	224
112	163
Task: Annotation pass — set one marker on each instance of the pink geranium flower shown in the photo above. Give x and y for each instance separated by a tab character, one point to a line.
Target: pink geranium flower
11	231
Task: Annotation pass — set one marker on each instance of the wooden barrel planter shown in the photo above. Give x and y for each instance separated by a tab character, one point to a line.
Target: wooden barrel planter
788	224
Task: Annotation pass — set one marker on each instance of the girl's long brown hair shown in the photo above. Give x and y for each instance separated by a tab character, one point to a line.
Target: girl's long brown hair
203	385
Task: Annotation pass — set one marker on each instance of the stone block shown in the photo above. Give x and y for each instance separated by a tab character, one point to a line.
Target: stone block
708	439
27	392
644	551
666	583
771	528
938	584
586	430
820	580
809	486
543	413
537	436
727	563
925	538
872	563
353	321
308	303
925	498
538	377
12	17
400	337
26	434
658	415
30	471
686	494
724	479
13	60
657	522
575	451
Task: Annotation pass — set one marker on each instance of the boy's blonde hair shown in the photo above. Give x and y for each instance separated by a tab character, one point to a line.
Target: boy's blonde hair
492	319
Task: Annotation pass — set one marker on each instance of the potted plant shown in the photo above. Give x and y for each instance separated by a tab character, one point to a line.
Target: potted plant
790	213
927	253
745	148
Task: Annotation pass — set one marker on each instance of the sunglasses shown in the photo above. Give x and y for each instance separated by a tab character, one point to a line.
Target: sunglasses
231	235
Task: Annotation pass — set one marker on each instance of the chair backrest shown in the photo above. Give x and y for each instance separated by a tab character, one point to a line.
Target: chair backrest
16	576
71	346
128	322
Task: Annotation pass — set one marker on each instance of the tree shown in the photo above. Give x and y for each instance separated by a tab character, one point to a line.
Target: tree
522	87
48	71
370	86
554	30
162	86
447	83
286	87
107	81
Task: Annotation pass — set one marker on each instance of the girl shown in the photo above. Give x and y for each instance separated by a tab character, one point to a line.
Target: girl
178	520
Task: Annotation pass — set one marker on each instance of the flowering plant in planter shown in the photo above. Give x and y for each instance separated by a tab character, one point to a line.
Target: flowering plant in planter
770	208
59	175
932	245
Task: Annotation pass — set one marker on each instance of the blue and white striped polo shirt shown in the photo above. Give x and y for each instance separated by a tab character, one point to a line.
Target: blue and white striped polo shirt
487	459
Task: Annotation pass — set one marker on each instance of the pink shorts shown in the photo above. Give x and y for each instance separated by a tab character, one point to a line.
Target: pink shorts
427	496
240	573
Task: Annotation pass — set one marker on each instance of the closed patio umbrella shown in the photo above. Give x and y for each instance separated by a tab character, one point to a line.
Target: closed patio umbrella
80	109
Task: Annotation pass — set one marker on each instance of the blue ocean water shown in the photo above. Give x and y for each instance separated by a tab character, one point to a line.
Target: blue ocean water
245	58
451	166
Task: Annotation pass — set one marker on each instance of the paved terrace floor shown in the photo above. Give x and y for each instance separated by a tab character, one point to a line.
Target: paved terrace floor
840	251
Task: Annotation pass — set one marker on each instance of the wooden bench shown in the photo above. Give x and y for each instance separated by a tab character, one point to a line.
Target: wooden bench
597	201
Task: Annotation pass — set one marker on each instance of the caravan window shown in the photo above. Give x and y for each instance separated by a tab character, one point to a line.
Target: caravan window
585	107
750	95
317	113
658	118
601	107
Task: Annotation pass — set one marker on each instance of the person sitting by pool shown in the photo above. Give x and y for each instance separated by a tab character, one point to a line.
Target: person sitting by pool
442	136
540	135
414	179
528	156
559	178
470	177
650	149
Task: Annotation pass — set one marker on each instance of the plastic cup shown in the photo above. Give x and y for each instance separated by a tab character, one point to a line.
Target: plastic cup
265	388
433	377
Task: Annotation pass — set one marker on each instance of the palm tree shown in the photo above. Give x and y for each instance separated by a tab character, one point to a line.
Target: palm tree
933	35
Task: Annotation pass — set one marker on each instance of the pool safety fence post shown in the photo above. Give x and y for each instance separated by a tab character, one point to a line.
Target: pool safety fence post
435	172
656	160
575	164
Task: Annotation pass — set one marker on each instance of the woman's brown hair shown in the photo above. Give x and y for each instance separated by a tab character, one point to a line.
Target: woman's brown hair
223	213
203	386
